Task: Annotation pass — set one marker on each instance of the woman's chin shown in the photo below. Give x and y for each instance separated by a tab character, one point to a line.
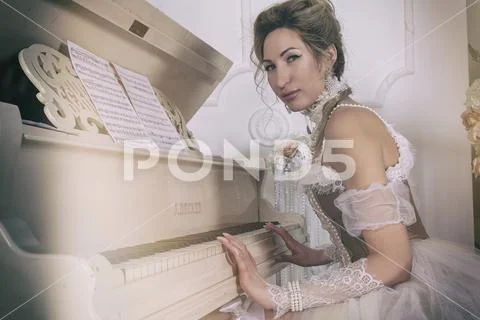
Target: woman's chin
297	107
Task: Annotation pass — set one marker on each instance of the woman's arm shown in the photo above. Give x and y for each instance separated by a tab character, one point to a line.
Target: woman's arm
390	257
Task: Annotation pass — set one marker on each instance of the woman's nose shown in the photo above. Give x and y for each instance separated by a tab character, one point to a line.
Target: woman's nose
283	77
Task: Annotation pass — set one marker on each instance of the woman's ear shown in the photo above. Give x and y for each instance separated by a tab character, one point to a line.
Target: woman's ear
331	55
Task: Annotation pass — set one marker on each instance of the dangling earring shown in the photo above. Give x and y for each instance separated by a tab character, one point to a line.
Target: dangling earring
332	86
329	81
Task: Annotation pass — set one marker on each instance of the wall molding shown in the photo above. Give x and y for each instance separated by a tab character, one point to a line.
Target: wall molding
409	51
244	65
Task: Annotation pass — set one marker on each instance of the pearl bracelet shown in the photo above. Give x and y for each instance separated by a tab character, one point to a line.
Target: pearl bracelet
295	296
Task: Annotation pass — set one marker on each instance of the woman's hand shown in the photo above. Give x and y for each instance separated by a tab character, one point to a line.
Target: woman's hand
301	254
250	280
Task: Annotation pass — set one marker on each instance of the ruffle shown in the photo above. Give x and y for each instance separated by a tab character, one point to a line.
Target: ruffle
406	160
375	207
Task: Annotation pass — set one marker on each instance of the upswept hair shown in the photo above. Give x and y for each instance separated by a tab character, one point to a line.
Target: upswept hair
313	20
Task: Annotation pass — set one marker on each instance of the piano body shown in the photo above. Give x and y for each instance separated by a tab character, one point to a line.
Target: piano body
77	239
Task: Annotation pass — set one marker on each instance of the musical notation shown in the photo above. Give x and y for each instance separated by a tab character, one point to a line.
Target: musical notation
148	108
108	96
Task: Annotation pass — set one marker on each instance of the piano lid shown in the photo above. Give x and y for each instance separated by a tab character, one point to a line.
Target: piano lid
133	34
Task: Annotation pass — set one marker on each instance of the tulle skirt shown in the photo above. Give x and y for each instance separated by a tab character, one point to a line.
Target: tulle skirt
445	284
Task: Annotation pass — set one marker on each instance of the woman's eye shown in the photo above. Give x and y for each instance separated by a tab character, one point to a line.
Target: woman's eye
292	58
269	67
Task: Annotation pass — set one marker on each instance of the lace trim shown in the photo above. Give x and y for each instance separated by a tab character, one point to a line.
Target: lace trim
281	299
349	282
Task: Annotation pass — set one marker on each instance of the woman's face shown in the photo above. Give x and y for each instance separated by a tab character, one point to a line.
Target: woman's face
294	74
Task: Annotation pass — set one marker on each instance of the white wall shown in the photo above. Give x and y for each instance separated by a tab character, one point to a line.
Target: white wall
424	106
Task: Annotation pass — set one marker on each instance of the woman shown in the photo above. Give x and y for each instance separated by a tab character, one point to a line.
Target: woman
390	269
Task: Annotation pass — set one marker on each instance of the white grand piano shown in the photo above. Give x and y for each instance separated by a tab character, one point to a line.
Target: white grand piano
77	239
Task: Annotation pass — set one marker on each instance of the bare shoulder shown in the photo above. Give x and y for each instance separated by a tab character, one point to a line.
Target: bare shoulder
365	130
346	122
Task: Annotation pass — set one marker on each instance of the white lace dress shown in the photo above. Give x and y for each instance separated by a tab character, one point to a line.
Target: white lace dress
445	281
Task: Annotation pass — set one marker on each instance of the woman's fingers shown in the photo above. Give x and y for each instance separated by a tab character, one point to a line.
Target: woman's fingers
242	257
228	245
278	230
270	226
250	280
240	246
231	254
286	237
235	241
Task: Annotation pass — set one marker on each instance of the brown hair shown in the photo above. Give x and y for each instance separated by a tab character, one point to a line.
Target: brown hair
313	20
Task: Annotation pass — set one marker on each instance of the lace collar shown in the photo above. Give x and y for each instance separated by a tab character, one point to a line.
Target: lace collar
314	113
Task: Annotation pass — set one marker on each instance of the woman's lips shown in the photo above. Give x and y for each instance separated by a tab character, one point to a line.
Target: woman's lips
290	96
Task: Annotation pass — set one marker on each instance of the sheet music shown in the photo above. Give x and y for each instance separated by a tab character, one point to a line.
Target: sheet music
148	108
107	95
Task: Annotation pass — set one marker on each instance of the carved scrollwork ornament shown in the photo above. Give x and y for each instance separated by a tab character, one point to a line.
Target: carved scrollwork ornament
66	102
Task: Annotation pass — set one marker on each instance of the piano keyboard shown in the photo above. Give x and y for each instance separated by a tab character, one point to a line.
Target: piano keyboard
148	249
178	274
146	260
